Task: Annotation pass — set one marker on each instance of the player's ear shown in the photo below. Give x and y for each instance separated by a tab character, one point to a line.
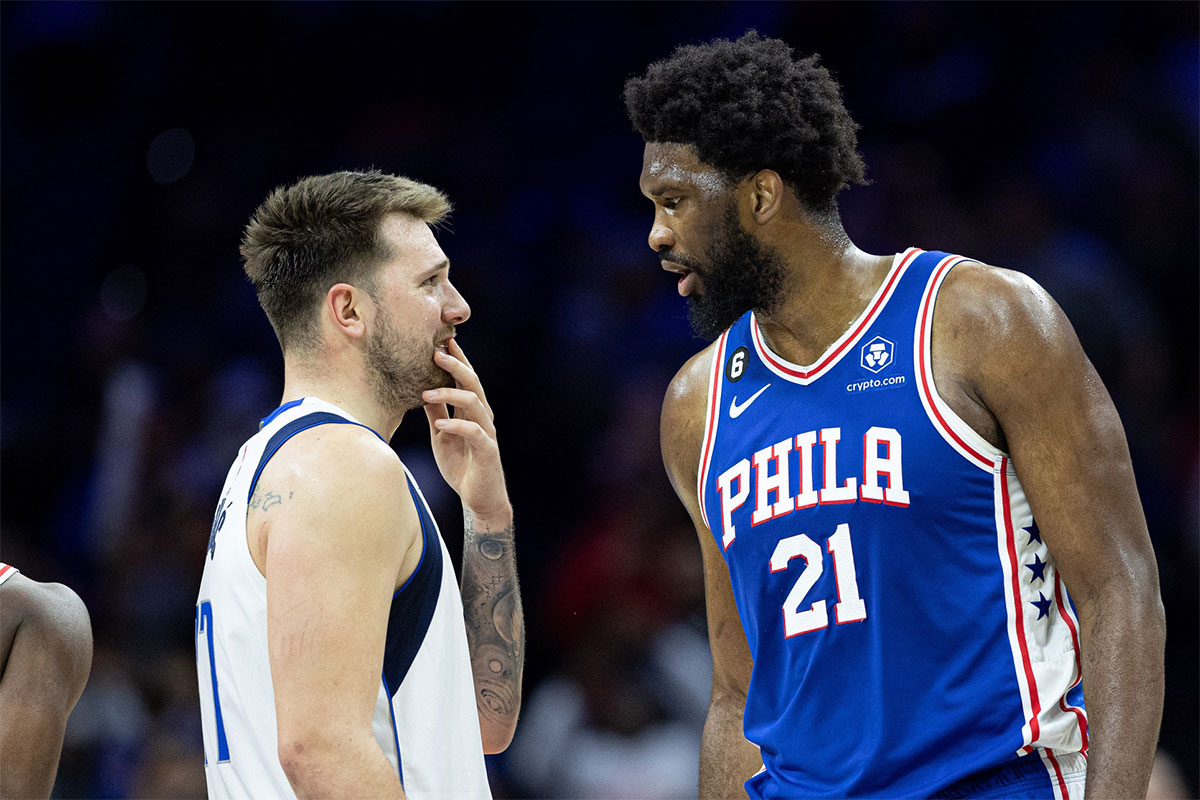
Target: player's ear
766	195
344	309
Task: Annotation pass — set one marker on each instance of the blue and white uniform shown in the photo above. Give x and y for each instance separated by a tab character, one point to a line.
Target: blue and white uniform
908	626
425	719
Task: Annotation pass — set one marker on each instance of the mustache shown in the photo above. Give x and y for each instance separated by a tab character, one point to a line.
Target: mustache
681	260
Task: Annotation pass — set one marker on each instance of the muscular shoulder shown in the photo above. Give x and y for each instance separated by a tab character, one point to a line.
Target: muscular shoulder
682	422
978	300
333	486
999	339
52	604
59	617
332	459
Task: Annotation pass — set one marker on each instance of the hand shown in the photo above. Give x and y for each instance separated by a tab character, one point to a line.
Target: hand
464	445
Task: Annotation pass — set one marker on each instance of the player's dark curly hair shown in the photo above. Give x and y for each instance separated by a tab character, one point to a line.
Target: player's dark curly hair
748	105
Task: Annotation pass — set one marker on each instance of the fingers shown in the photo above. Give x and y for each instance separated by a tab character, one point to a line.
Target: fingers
475	435
455	362
434	412
468	405
457	351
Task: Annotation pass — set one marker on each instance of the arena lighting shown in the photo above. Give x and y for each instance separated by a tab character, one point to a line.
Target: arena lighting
170	155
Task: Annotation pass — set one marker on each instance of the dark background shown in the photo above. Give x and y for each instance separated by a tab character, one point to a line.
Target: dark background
137	139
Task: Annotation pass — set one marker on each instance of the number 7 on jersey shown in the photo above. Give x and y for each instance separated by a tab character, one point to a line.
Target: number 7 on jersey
204	624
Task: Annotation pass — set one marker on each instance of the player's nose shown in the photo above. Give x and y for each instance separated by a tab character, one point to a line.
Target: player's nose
455	311
661	237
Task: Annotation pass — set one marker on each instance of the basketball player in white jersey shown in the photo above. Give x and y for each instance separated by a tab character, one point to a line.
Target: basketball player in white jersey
45	659
335	653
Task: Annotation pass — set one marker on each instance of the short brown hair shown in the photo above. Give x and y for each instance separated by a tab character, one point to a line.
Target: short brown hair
322	230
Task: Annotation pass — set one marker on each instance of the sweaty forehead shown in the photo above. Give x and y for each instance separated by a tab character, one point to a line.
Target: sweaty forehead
411	242
673	164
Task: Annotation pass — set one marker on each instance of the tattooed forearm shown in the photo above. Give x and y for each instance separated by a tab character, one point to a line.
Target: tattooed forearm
495	623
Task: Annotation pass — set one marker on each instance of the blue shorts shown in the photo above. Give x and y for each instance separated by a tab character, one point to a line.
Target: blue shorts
1037	776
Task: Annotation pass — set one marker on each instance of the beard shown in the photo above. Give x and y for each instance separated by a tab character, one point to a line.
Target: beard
399	368
741	274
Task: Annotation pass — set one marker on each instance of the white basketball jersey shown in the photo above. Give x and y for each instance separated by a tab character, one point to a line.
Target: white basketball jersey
425	718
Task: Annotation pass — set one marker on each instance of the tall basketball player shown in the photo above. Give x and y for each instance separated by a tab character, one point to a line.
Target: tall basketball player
335	653
923	544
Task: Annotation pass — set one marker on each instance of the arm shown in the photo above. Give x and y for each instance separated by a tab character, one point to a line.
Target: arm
337	546
46	660
1011	349
469	459
727	759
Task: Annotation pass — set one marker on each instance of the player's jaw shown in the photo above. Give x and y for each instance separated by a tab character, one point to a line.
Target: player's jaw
399	367
741	274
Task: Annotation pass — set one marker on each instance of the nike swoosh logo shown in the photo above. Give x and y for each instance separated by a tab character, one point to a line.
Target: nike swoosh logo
736	410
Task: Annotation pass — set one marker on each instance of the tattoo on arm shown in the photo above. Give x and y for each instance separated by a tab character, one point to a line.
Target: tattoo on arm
494	618
268	499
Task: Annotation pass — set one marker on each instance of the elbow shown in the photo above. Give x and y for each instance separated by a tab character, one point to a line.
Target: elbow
295	756
1143	598
727	693
307	761
68	641
1155	620
497	736
1133	604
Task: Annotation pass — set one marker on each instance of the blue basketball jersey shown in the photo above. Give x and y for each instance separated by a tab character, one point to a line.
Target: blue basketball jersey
908	626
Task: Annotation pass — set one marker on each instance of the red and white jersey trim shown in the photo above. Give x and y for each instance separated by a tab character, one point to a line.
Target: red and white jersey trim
805	375
711	417
958	434
7	571
1068	773
1043	640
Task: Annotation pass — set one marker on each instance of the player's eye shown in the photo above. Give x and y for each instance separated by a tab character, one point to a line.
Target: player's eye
670	203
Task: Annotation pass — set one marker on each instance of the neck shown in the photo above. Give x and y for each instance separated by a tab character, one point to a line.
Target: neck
829	282
346	388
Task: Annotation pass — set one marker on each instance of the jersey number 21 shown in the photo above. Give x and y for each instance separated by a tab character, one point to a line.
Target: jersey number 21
850	607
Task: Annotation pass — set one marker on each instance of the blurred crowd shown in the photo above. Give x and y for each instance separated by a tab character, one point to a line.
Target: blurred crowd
1060	140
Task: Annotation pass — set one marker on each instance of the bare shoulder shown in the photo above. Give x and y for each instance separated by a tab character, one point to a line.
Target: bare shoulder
328	460
330	469
683	413
334	488
979	302
59	616
992	324
1001	346
54	604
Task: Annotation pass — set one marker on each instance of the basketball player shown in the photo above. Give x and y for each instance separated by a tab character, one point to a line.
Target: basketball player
897	466
45	660
335	654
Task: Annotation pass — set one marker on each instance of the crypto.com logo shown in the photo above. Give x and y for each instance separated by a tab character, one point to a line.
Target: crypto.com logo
876	354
